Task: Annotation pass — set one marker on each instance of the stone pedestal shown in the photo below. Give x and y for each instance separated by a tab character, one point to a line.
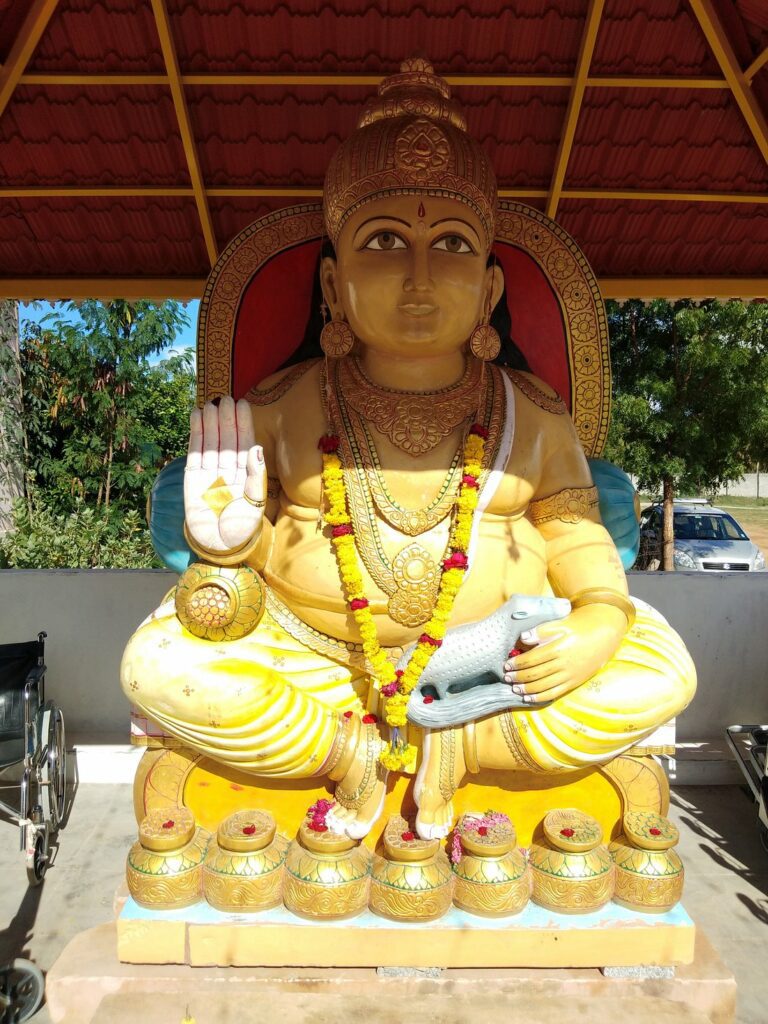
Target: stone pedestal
537	937
87	985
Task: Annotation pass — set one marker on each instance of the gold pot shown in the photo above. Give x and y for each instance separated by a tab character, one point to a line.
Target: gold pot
326	875
649	874
164	869
244	867
572	871
492	877
413	880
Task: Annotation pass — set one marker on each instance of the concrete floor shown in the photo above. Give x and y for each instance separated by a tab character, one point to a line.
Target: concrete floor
726	881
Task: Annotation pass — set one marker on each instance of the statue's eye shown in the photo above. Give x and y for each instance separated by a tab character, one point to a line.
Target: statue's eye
385	241
452	243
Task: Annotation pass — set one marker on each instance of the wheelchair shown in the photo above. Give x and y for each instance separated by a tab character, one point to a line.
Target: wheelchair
32	739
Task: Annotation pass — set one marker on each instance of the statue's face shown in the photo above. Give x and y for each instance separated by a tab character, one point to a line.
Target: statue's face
410	275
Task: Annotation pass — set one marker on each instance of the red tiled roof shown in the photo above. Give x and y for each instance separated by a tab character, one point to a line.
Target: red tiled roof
93	134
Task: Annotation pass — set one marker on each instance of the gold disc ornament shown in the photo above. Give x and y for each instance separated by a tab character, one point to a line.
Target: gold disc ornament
484	342
220	603
337	339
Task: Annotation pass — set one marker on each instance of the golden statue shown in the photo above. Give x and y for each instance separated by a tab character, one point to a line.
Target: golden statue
356	509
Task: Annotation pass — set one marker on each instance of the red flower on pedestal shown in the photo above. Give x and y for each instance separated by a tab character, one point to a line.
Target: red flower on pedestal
567	832
348	714
169	824
408	837
249	830
655	831
369	719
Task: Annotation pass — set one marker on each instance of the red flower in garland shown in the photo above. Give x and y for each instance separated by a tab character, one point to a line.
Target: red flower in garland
469	481
369	719
343	530
389	690
456	560
479	431
328	443
425	638
358	603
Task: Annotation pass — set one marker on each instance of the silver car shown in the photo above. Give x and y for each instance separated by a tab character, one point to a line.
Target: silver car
707	539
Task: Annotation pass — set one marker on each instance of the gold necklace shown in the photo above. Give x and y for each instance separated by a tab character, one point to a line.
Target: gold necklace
411	579
407	520
414	421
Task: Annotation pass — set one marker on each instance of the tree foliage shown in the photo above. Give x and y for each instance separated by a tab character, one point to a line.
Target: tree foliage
99	422
690	394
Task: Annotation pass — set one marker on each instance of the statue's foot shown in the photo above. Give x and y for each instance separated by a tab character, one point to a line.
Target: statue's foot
360	794
442	769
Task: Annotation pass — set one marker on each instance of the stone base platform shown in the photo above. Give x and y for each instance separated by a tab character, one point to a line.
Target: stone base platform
201	936
87	985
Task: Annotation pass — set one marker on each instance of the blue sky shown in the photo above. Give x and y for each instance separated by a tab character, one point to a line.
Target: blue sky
33	312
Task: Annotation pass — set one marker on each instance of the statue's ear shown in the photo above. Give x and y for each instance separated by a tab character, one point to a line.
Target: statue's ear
329	284
494	278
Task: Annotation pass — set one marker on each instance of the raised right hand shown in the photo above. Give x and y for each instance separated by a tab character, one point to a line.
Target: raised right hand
225	481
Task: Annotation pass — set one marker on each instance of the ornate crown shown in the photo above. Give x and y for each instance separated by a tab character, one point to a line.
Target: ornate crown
411	139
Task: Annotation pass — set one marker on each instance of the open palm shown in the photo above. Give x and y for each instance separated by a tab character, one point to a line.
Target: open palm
225	482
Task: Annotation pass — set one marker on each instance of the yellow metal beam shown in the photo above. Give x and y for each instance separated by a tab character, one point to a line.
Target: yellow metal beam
588	39
185	127
26	289
35	23
185	289
634	195
316	192
756	64
711	26
745	288
223	80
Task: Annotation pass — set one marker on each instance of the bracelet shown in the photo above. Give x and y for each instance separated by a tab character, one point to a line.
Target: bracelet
256	504
232	557
594	595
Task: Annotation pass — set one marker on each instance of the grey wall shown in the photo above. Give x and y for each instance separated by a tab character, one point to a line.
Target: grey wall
89	616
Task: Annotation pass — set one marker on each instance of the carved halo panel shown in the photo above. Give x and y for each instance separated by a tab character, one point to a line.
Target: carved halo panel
556	253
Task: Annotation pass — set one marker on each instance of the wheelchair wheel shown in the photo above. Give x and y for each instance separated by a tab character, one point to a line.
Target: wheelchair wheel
37	859
21	991
55	769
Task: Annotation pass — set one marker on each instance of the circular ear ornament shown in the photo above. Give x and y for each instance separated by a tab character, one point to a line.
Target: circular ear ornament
484	342
337	339
218	603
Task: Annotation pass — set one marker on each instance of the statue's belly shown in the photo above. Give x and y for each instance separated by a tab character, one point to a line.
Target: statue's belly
509	559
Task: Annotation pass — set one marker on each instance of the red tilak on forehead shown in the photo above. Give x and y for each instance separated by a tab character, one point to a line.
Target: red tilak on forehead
421	211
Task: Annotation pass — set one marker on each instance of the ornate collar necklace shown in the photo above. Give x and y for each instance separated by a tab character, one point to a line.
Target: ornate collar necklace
414	421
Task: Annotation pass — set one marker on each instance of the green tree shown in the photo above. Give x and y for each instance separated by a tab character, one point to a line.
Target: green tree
84	403
690	385
99	421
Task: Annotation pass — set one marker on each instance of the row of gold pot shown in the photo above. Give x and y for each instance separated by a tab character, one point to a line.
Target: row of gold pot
249	867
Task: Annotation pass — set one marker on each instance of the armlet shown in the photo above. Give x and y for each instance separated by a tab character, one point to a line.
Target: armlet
535	394
570	505
277	390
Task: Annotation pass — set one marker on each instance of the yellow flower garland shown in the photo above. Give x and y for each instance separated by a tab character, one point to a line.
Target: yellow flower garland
397	686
